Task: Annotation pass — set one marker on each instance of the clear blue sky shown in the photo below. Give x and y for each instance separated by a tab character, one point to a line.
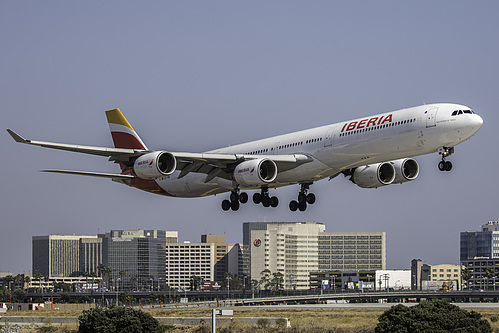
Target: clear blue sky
198	75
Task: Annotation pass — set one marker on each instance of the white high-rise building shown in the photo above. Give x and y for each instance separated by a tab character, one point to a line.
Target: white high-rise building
282	247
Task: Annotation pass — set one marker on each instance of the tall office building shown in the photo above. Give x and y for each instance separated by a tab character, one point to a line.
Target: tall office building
61	255
136	258
281	247
228	257
481	244
185	260
352	251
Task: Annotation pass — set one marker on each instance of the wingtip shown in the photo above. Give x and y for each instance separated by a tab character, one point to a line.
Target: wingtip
16	136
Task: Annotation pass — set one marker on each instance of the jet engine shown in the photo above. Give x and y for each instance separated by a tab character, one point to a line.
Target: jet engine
406	169
374	175
255	172
154	165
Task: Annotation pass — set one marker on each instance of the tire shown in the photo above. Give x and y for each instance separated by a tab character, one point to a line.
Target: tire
441	166
302	206
234	196
311	198
243	197
302	197
274	202
448	166
226	205
234	205
293	206
257	198
266	201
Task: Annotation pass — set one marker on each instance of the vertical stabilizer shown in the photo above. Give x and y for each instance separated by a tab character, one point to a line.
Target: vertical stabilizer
124	136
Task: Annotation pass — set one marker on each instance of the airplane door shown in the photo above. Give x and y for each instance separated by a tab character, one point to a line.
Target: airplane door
431	117
328	140
276	148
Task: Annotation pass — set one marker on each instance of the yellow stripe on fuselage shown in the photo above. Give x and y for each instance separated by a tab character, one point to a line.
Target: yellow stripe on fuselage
115	116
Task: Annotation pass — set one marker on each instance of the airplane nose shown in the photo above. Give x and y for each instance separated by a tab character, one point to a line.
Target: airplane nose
477	121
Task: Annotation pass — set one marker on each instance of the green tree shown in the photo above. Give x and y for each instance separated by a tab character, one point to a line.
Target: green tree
18	295
277	282
196	282
431	316
116	319
265	278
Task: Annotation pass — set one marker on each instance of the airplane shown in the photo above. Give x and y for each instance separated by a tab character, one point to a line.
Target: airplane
373	151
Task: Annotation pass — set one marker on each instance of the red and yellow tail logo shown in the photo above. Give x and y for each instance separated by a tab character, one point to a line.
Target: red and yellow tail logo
124	136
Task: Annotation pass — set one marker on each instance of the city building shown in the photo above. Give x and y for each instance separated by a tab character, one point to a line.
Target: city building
447	273
483	243
290	249
341	280
228	257
483	274
419	272
393	279
136	258
187	260
60	255
352	251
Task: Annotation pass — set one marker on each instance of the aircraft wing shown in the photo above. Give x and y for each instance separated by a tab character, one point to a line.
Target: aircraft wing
211	164
100	151
221	165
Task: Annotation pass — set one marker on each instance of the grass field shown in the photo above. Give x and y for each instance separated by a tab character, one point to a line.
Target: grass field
302	320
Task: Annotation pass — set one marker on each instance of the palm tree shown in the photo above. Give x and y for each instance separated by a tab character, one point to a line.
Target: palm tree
27	280
38	277
133	279
490	273
466	275
122	274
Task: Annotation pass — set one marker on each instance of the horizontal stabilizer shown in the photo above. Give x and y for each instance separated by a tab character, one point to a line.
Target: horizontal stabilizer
91	174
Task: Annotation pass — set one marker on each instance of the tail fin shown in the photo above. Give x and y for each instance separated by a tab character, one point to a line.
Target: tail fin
124	136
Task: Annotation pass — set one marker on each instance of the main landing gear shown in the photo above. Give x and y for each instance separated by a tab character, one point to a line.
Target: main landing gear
303	199
235	199
444	165
265	199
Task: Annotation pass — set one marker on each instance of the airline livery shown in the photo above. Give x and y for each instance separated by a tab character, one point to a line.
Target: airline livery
373	151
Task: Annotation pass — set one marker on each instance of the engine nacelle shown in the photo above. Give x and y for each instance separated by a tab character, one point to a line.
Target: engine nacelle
374	175
155	165
255	172
406	169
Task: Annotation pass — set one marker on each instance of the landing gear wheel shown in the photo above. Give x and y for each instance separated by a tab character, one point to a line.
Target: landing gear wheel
302	206
257	198
266	201
243	197
302	197
274	202
311	198
234	196
293	206
226	205
444	166
234	205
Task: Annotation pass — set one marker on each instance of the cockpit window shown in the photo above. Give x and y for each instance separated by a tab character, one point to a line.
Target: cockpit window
458	112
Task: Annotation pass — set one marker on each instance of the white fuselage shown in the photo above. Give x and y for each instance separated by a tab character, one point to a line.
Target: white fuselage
346	145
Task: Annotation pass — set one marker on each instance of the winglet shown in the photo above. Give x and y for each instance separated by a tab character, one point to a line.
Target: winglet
17	137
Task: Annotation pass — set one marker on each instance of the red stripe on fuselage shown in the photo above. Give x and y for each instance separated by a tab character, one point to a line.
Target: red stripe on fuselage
125	140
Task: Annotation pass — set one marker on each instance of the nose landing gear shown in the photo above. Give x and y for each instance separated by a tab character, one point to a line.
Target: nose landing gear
444	165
